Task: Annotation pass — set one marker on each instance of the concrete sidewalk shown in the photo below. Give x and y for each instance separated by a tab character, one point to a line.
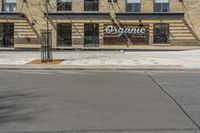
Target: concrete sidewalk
172	60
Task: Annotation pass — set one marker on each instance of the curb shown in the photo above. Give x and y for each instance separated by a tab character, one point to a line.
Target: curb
93	67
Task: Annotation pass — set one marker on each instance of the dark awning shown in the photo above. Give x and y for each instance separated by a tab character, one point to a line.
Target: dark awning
150	15
11	15
93	15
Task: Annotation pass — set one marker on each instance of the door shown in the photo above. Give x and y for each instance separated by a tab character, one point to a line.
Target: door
91	35
161	34
64	35
7	35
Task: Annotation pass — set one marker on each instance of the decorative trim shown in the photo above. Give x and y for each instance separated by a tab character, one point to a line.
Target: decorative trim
150	15
11	15
93	15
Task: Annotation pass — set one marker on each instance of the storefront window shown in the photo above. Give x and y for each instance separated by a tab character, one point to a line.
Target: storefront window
64	35
9	5
91	33
91	5
161	33
133	5
7	35
64	5
161	5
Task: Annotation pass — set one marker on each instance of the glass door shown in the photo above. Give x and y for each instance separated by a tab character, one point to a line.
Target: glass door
161	33
64	35
91	33
6	35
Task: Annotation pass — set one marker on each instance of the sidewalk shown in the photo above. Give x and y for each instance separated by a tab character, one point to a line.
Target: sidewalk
172	60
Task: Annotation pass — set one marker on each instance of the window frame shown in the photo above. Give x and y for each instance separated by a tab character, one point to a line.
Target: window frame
133	8
63	9
91	9
10	4
162	25
66	42
161	7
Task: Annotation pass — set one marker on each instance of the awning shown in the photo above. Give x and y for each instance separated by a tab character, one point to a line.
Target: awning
85	15
11	15
150	15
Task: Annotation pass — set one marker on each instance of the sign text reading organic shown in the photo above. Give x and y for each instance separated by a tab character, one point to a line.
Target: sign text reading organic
120	31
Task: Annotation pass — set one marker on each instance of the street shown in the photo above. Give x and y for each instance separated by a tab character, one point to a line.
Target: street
99	101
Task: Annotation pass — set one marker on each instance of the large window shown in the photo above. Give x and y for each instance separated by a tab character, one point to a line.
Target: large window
9	5
133	5
64	35
64	5
161	5
7	35
161	33
91	5
91	33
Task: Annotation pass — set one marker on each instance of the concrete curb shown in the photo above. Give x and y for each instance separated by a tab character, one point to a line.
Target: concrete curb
102	67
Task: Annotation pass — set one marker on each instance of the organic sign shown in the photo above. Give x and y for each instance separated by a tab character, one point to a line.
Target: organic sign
126	30
126	34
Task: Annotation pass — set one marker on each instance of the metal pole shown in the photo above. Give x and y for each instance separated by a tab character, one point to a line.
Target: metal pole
47	33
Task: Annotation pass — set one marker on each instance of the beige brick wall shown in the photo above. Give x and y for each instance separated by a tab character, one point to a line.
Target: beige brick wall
34	10
192	9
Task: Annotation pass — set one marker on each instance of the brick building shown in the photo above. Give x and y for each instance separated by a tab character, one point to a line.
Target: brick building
100	24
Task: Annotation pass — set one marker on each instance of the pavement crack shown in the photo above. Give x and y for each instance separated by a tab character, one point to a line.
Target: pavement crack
174	100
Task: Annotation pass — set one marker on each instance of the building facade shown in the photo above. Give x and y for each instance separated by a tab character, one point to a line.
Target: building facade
99	24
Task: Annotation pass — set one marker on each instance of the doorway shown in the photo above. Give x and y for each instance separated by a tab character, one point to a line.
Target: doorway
161	34
64	35
91	35
7	35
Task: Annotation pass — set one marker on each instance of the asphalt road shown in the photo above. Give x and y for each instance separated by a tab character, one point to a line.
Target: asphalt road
99	102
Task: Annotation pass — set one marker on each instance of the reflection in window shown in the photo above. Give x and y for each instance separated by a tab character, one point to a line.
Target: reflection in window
91	5
64	5
9	5
161	5
133	5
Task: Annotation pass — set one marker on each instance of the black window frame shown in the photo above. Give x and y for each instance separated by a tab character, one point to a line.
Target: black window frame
163	38
91	5
66	39
161	5
7	35
10	4
91	34
64	6
133	7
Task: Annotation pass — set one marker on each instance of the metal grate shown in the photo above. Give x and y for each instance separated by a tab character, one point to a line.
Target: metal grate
46	46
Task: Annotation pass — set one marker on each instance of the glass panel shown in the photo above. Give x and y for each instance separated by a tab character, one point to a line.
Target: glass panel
133	1
133	5
64	35
137	7
129	8
161	33
161	1
91	33
9	5
7	35
64	5
157	7
91	5
165	7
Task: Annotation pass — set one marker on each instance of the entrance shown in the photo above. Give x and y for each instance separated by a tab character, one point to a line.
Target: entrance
91	33
161	33
64	35
7	35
